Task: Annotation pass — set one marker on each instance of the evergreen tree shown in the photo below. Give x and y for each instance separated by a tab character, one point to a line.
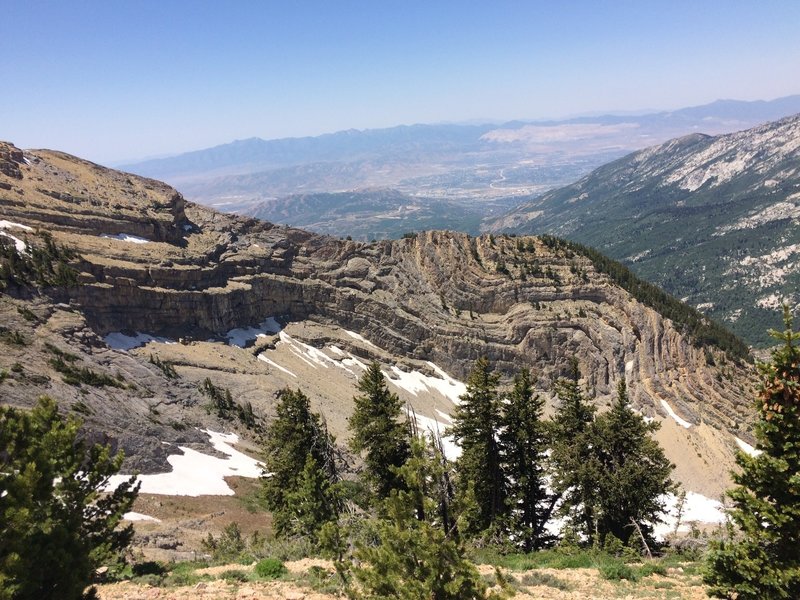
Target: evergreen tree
313	502
763	560
476	426
56	524
378	432
298	465
525	439
415	558
575	469
634	474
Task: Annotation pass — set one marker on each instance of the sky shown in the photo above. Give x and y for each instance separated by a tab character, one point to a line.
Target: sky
115	81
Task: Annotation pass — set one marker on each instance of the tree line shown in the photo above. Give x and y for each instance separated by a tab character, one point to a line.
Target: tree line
403	528
520	482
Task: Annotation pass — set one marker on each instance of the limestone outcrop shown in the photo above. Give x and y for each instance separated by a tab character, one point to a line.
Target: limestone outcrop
152	262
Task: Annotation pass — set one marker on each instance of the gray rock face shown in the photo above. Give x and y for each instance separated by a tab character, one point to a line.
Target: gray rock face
439	296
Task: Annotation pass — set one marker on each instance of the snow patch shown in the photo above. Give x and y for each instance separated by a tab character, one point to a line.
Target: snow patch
415	382
263	357
746	448
120	341
136	516
433	428
18	243
444	416
125	237
359	337
197	474
354	361
12	225
674	415
242	336
696	509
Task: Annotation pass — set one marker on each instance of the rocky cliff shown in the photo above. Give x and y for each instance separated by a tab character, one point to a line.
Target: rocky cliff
151	262
714	220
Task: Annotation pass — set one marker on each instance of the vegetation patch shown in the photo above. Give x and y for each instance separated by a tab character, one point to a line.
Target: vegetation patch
270	568
701	329
44	264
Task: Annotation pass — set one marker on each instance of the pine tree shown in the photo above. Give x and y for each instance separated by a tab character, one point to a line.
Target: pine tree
476	426
525	439
56	523
415	558
298	463
313	502
634	474
378	432
763	560
575	470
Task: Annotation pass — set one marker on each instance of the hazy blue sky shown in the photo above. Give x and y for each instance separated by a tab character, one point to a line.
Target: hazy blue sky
117	80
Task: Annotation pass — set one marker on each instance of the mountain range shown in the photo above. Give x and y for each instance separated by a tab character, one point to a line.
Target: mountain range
138	311
465	164
714	220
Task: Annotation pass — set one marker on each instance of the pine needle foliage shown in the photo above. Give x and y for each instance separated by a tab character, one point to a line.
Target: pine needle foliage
476	423
299	469
525	438
57	526
634	474
378	431
414	557
575	469
762	561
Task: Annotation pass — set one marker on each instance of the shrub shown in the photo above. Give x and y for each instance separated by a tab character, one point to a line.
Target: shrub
149	567
616	570
270	568
232	575
229	546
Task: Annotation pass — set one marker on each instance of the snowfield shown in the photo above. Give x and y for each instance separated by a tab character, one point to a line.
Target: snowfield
241	337
197	474
20	245
120	341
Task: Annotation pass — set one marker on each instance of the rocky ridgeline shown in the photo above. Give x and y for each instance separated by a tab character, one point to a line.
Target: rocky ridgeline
713	220
438	296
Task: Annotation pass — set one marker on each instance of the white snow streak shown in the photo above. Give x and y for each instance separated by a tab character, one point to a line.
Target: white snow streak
263	357
12	225
747	448
136	516
674	415
18	243
125	237
359	337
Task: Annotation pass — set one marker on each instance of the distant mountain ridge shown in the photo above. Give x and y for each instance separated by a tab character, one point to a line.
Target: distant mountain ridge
713	220
462	163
